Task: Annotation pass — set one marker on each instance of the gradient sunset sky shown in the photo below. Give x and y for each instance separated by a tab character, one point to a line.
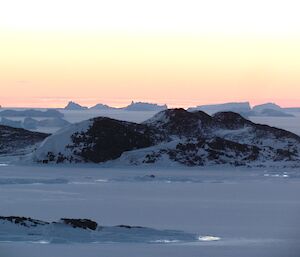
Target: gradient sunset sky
182	53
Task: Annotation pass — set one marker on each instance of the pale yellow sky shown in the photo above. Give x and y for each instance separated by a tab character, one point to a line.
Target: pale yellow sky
178	52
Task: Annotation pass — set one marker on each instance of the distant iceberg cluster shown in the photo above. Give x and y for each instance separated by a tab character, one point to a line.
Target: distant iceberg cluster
134	106
244	108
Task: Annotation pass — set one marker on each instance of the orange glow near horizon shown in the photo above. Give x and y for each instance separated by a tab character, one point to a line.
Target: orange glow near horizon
182	53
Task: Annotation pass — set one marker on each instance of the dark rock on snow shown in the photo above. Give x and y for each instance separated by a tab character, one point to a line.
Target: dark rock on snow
176	135
13	140
80	223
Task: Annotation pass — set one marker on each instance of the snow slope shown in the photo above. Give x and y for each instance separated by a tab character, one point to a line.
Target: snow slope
57	142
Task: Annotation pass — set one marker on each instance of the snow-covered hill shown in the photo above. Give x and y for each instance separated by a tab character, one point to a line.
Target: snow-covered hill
14	140
173	136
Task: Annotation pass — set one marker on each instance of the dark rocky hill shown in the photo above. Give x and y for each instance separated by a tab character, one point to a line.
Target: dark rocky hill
13	140
174	135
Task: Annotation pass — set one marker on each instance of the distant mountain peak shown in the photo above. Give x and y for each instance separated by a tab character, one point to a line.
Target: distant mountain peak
74	106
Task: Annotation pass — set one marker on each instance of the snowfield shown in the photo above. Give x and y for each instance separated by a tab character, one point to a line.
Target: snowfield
233	212
175	211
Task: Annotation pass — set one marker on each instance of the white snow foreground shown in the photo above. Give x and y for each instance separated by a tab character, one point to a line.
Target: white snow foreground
21	229
253	212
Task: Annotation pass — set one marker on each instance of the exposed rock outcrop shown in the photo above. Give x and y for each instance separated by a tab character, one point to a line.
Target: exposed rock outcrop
174	135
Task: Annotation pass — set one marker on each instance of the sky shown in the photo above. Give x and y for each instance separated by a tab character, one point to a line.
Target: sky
183	53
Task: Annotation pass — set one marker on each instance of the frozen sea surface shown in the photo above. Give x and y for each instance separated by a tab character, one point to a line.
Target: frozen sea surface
234	212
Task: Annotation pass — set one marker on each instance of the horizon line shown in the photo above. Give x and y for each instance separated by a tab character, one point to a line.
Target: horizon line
119	106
